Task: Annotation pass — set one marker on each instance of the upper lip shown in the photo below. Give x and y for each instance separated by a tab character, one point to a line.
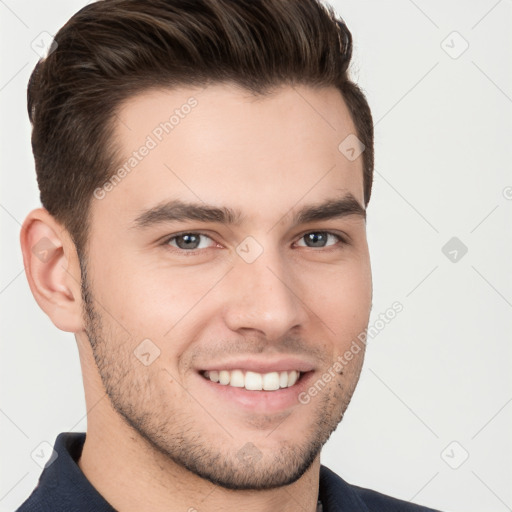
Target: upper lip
262	366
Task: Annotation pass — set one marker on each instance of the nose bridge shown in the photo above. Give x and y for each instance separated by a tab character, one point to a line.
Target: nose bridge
263	292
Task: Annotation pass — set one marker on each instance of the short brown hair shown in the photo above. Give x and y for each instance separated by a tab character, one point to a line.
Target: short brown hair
112	49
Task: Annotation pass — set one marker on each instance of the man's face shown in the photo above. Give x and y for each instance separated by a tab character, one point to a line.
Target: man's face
170	297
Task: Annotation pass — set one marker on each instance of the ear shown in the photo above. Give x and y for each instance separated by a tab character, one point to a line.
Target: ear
52	269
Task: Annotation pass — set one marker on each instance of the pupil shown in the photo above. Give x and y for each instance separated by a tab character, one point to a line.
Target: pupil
316	237
188	239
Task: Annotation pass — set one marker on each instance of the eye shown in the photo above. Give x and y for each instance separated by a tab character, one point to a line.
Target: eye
319	238
188	241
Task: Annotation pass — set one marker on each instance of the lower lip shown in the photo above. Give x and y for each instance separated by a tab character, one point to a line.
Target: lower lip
260	401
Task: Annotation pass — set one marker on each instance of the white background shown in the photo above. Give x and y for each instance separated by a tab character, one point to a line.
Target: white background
440	371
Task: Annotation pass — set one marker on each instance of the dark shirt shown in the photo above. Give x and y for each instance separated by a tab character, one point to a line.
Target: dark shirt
63	487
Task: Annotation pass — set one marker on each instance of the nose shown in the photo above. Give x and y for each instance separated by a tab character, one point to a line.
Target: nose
264	295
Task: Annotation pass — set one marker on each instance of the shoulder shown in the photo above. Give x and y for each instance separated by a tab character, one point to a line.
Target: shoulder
376	501
338	494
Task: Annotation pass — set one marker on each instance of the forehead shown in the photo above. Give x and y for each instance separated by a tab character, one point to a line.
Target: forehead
223	145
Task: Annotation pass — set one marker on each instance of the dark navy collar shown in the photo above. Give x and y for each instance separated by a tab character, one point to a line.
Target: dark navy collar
337	495
63	486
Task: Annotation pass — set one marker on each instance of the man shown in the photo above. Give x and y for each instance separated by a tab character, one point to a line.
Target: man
204	170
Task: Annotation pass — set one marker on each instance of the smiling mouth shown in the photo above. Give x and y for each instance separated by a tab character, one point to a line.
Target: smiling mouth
253	381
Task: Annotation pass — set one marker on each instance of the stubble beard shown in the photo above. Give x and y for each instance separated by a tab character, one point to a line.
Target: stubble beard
172	434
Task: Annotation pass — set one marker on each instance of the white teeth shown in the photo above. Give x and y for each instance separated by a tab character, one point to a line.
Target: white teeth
271	381
254	381
237	379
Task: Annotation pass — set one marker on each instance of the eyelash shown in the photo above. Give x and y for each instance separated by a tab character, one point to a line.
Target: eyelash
193	252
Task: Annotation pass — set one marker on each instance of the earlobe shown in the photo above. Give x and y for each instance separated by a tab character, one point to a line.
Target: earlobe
52	269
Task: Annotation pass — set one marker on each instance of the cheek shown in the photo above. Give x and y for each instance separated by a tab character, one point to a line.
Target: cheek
165	305
342	296
343	305
151	296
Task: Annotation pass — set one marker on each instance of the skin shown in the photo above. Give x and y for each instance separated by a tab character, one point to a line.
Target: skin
156	439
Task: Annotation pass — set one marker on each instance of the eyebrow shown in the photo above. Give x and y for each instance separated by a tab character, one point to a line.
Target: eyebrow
177	211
